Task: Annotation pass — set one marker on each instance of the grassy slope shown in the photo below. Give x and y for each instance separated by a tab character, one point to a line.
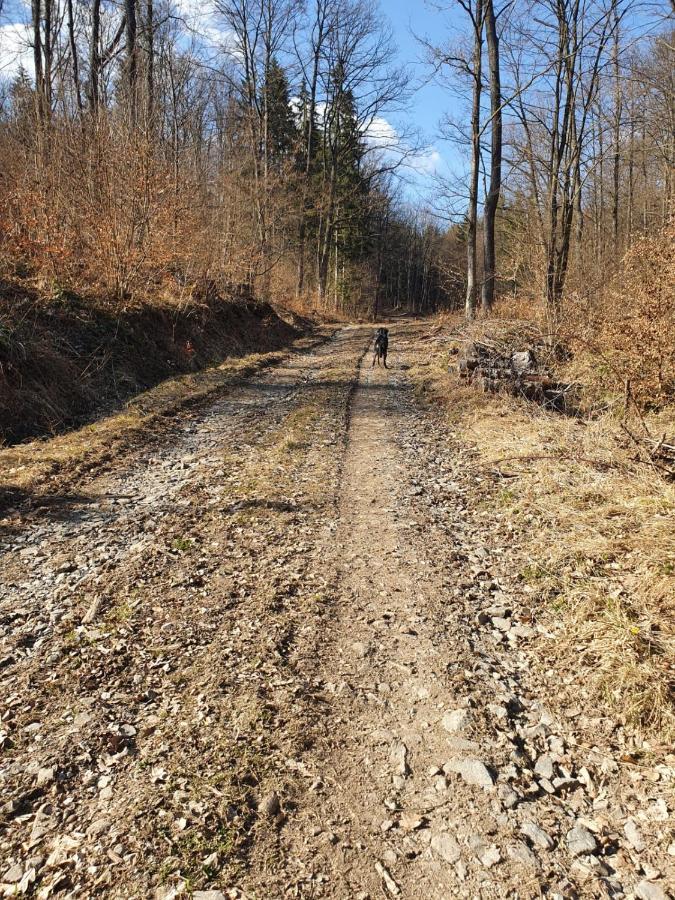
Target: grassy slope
593	526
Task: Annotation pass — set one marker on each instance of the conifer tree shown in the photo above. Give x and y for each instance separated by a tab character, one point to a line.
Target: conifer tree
282	131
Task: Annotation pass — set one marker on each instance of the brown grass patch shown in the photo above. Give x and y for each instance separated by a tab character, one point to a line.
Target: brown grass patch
592	524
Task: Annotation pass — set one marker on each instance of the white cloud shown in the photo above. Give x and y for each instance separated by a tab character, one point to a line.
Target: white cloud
15	50
381	133
428	162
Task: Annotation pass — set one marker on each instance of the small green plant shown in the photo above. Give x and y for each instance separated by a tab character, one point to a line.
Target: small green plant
120	613
507	497
533	573
182	544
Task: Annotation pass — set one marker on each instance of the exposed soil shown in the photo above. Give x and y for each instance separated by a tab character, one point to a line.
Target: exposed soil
65	359
285	653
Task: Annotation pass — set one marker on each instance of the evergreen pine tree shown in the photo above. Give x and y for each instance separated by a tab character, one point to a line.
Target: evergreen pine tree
352	185
282	131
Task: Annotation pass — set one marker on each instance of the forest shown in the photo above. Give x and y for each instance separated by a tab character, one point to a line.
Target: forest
142	156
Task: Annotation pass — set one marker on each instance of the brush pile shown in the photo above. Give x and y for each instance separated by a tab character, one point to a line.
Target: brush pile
495	367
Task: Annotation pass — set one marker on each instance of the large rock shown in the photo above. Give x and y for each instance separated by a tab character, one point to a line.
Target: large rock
472	771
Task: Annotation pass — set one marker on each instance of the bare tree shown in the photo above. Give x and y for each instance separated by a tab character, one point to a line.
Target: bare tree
494	189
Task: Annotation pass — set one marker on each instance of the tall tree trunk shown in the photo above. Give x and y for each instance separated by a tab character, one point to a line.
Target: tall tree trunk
95	56
616	137
472	213
48	54
131	57
492	199
150	64
320	23
73	56
36	16
631	165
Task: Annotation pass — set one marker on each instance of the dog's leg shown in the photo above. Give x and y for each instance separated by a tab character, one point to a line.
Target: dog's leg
374	358
384	359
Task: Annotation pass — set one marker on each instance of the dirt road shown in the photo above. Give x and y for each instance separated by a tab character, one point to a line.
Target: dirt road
283	654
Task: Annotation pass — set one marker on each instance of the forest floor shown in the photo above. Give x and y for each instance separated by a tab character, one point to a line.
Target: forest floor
297	645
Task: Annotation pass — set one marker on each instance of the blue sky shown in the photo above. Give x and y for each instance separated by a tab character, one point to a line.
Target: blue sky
431	100
407	18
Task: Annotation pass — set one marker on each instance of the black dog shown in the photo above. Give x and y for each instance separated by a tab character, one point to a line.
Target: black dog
381	346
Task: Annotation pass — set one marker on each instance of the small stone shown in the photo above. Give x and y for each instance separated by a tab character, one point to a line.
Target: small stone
585	778
398	757
97	827
546	785
457	720
581	841
386	825
270	805
659	811
440	784
446	847
507	795
650	873
544	767
360	649
411	822
13	874
41	824
208	895
472	771
501	624
647	890
537	835
490	857
634	836
389	882
45	776
212	862
523	631
35	862
522	854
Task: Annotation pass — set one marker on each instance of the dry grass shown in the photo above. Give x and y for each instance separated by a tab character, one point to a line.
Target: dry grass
593	526
27	468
